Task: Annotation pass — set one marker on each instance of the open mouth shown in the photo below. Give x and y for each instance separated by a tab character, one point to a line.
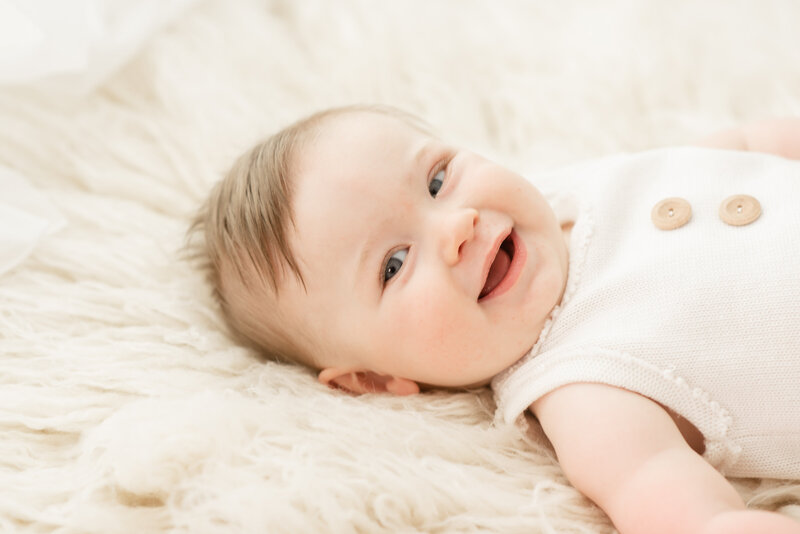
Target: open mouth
500	266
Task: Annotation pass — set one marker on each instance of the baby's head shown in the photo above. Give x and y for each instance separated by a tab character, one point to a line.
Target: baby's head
357	243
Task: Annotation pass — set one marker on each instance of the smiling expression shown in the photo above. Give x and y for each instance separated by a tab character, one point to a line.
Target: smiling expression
420	261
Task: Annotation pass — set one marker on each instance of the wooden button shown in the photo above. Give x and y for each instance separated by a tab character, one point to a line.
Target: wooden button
739	210
671	213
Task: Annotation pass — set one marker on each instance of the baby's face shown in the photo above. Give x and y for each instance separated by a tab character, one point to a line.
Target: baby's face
421	261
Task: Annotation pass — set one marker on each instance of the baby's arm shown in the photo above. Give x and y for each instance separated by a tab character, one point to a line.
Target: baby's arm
625	453
773	136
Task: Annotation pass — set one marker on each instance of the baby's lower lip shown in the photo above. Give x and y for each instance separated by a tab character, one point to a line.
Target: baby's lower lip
514	270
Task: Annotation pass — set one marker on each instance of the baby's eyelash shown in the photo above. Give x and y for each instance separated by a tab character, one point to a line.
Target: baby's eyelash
435	184
440	165
392	264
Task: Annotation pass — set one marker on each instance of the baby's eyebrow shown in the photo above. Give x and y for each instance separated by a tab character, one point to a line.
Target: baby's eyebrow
422	156
412	176
363	257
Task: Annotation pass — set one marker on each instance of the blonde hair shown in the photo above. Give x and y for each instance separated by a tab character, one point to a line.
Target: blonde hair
241	236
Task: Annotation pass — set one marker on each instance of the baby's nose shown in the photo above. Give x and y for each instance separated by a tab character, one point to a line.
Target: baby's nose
457	230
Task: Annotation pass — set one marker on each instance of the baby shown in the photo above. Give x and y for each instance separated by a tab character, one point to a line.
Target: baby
647	313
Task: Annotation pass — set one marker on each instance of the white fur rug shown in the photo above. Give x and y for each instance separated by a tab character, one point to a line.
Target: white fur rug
124	405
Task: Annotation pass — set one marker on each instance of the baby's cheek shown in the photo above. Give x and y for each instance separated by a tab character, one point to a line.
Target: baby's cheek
442	332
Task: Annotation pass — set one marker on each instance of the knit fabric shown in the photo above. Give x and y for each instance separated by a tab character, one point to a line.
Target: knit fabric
704	319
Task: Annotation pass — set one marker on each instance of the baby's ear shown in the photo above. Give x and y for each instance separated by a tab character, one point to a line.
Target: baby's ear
359	382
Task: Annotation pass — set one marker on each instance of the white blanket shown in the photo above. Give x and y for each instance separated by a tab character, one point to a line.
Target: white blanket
26	216
125	407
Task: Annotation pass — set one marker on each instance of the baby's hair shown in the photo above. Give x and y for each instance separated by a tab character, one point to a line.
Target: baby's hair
241	236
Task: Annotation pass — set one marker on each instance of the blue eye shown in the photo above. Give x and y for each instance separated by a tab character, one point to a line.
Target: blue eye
393	264
436	183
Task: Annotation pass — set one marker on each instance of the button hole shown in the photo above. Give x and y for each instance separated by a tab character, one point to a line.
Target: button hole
671	212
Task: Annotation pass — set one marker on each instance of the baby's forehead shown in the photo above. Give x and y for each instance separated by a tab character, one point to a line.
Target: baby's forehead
341	129
357	178
369	151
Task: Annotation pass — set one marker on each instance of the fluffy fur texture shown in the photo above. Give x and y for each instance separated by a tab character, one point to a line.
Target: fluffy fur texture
124	405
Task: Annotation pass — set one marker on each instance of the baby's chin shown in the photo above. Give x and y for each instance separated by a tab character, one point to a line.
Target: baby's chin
480	384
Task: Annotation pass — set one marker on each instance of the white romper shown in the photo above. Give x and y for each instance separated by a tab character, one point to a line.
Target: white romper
704	318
